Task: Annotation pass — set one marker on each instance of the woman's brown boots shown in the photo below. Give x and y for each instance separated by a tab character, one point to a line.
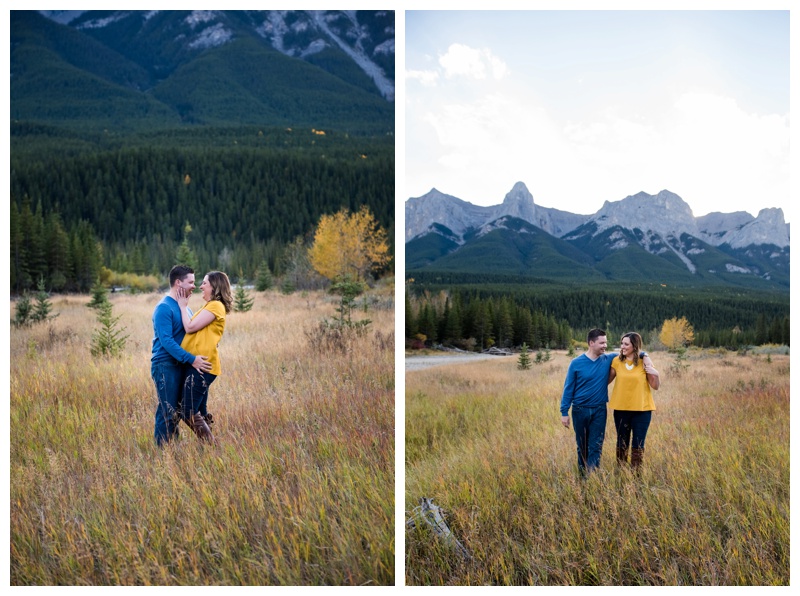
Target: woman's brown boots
198	425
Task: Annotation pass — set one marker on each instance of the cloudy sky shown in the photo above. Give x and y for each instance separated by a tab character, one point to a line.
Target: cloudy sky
588	106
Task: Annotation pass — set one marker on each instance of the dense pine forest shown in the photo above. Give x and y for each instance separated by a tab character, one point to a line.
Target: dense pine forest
507	311
82	202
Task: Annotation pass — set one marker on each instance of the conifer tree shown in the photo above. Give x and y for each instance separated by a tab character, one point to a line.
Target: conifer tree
242	301
287	287
264	280
24	310
185	254
108	340
43	306
99	295
524	361
411	320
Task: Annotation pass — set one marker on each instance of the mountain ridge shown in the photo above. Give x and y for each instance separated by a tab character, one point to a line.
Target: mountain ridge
127	70
620	238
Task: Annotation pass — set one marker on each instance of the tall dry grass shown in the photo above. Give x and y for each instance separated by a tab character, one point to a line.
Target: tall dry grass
711	506
300	490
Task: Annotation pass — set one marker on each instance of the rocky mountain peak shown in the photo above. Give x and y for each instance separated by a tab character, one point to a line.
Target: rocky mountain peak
518	203
665	214
769	227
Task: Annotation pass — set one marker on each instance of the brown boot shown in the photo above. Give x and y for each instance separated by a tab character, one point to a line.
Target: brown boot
637	456
622	456
201	429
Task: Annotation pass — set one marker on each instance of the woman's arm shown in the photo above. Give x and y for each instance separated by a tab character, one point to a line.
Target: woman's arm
612	374
653	377
201	319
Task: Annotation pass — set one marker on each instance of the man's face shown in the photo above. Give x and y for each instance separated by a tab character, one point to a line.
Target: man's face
187	283
599	345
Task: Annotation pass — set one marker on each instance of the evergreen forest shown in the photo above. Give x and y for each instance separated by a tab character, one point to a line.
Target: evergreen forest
237	198
477	312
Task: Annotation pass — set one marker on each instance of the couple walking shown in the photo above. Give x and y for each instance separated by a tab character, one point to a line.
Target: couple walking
586	391
185	358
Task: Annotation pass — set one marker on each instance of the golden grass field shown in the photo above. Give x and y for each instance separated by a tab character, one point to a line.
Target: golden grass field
300	490
711	507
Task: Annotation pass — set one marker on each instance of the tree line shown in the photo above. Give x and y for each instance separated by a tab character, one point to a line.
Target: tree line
550	316
127	209
475	323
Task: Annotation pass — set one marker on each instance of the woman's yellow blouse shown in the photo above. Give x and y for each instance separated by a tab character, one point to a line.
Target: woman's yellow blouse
204	342
631	389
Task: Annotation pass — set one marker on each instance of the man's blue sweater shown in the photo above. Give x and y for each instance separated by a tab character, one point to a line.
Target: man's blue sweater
587	382
168	333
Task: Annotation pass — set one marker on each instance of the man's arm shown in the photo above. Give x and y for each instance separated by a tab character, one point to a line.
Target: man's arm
567	395
163	329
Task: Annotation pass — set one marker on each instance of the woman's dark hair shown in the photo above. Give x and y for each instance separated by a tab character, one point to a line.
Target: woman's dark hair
221	289
636	346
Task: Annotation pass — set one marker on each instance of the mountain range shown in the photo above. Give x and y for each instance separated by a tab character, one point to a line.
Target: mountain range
643	238
134	70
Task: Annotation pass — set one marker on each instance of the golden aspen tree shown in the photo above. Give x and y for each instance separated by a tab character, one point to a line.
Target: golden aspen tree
676	333
348	244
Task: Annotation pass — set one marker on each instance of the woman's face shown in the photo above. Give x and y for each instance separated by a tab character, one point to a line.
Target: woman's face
206	289
625	345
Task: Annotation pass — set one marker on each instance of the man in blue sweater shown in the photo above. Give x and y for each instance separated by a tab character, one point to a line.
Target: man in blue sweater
586	390
166	363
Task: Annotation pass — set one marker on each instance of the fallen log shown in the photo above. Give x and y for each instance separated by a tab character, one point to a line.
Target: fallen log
431	515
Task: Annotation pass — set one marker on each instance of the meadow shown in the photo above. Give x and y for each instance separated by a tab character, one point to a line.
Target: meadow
710	507
299	490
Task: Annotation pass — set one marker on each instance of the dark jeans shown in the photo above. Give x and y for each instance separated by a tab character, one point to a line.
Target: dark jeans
630	423
195	392
590	431
167	378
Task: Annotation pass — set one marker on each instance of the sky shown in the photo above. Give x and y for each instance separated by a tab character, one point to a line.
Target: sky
592	106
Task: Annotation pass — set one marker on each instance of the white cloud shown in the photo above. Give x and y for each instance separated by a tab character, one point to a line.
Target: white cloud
703	147
461	60
429	78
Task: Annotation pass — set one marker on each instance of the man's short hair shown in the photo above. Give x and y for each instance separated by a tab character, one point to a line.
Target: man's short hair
179	272
594	334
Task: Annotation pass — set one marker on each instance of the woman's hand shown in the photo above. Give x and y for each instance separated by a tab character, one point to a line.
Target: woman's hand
183	298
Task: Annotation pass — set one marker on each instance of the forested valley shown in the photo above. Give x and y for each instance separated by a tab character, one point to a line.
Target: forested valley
238	198
505	311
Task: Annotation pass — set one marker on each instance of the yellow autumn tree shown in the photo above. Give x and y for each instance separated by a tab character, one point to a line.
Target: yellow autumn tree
349	244
676	333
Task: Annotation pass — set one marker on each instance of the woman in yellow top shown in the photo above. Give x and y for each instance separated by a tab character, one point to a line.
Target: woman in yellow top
632	398
203	333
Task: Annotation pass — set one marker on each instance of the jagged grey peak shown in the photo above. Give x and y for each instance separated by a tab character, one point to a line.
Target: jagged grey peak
435	207
769	227
517	203
460	216
665	213
715	225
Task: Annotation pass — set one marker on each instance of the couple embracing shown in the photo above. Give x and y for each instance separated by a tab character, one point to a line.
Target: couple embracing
586	391
185	359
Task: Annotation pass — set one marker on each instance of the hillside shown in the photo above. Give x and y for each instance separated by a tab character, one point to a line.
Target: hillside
127	72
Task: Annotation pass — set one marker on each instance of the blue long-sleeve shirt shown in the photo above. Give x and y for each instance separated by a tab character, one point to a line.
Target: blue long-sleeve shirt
168	333
587	382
